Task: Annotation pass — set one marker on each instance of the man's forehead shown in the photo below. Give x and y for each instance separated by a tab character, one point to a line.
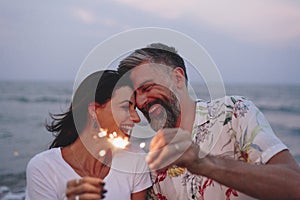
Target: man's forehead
148	73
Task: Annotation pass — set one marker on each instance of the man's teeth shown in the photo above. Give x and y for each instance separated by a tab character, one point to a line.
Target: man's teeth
152	108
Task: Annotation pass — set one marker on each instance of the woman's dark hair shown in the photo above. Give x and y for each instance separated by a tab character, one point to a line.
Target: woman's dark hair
97	87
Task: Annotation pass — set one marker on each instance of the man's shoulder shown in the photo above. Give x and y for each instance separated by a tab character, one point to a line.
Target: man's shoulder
229	100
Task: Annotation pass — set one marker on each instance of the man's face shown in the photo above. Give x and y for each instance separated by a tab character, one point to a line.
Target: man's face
155	95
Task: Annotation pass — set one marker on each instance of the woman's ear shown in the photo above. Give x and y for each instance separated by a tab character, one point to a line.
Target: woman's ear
92	109
179	77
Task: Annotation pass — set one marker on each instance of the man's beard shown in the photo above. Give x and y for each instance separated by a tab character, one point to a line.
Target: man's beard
169	115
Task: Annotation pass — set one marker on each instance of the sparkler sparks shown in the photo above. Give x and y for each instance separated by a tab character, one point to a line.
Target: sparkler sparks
114	139
118	141
102	133
102	153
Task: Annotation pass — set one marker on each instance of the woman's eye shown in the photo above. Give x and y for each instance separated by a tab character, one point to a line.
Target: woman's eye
125	107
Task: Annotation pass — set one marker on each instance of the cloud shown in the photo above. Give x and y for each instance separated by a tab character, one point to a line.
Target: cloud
270	21
90	17
83	15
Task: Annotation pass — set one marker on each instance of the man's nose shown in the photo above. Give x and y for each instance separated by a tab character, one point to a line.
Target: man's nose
140	100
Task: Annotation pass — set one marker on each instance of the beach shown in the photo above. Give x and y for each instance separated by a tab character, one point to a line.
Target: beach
25	108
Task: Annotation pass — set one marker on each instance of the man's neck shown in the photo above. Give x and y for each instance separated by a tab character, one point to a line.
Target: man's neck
188	110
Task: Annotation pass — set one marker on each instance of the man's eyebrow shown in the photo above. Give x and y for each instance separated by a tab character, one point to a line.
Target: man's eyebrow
144	83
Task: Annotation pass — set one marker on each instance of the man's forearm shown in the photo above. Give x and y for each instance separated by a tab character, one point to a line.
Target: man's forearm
271	181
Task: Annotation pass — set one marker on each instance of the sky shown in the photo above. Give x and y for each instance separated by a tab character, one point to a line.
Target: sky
250	41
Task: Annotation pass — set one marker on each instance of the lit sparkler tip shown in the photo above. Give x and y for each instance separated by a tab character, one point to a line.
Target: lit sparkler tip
120	142
102	134
116	140
115	134
142	145
102	153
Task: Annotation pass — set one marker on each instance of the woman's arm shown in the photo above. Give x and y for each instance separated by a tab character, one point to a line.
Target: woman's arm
139	195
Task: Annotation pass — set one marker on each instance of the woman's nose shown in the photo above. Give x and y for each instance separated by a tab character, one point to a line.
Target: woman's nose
134	116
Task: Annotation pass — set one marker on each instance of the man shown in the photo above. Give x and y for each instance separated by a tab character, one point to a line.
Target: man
223	149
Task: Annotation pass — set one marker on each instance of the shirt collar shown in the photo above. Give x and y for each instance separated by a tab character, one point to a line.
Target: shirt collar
203	112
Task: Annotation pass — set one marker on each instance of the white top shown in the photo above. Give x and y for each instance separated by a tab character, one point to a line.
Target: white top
47	175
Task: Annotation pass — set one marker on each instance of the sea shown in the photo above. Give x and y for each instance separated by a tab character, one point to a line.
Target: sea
25	108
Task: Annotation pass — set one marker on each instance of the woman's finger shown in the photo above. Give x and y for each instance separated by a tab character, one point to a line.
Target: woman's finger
87	179
84	186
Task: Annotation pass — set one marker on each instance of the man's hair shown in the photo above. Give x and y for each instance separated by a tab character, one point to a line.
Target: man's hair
154	53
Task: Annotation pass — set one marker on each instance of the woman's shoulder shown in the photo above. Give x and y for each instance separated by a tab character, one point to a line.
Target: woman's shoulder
45	157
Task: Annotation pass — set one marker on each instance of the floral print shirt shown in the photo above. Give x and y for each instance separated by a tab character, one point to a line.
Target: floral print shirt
228	127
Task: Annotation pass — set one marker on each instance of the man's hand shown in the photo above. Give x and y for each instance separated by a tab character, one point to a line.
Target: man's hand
172	147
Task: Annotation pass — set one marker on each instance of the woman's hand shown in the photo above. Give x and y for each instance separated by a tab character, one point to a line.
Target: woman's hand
85	188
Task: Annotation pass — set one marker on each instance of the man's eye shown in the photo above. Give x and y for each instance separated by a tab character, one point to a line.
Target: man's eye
147	88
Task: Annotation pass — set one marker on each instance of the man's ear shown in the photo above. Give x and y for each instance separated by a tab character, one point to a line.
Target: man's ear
179	77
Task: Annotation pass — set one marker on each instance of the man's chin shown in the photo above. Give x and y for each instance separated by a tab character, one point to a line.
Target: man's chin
157	125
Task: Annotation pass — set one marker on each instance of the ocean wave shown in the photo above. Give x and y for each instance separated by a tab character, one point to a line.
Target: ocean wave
284	108
4	134
12	186
39	99
50	100
295	131
13	195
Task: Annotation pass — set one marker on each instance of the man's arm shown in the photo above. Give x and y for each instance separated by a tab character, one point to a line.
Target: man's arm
278	179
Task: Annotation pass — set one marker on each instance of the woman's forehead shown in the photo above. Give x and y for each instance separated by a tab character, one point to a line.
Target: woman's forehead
123	93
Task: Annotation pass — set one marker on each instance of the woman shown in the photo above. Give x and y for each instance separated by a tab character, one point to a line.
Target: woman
83	160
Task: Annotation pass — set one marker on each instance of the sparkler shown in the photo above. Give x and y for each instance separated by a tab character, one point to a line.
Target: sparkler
116	141
142	145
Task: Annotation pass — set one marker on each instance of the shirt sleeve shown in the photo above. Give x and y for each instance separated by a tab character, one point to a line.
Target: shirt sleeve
142	182
257	138
37	185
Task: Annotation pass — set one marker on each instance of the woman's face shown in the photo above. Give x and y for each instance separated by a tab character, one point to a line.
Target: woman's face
119	113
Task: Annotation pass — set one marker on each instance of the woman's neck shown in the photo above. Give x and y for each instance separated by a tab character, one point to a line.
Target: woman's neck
81	160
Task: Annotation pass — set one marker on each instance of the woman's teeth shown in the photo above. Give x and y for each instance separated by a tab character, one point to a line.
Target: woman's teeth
126	128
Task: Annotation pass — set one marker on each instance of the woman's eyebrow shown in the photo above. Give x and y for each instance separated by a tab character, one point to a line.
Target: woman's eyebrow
126	101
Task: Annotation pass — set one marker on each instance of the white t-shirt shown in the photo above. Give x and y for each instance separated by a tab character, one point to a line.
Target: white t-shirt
47	175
